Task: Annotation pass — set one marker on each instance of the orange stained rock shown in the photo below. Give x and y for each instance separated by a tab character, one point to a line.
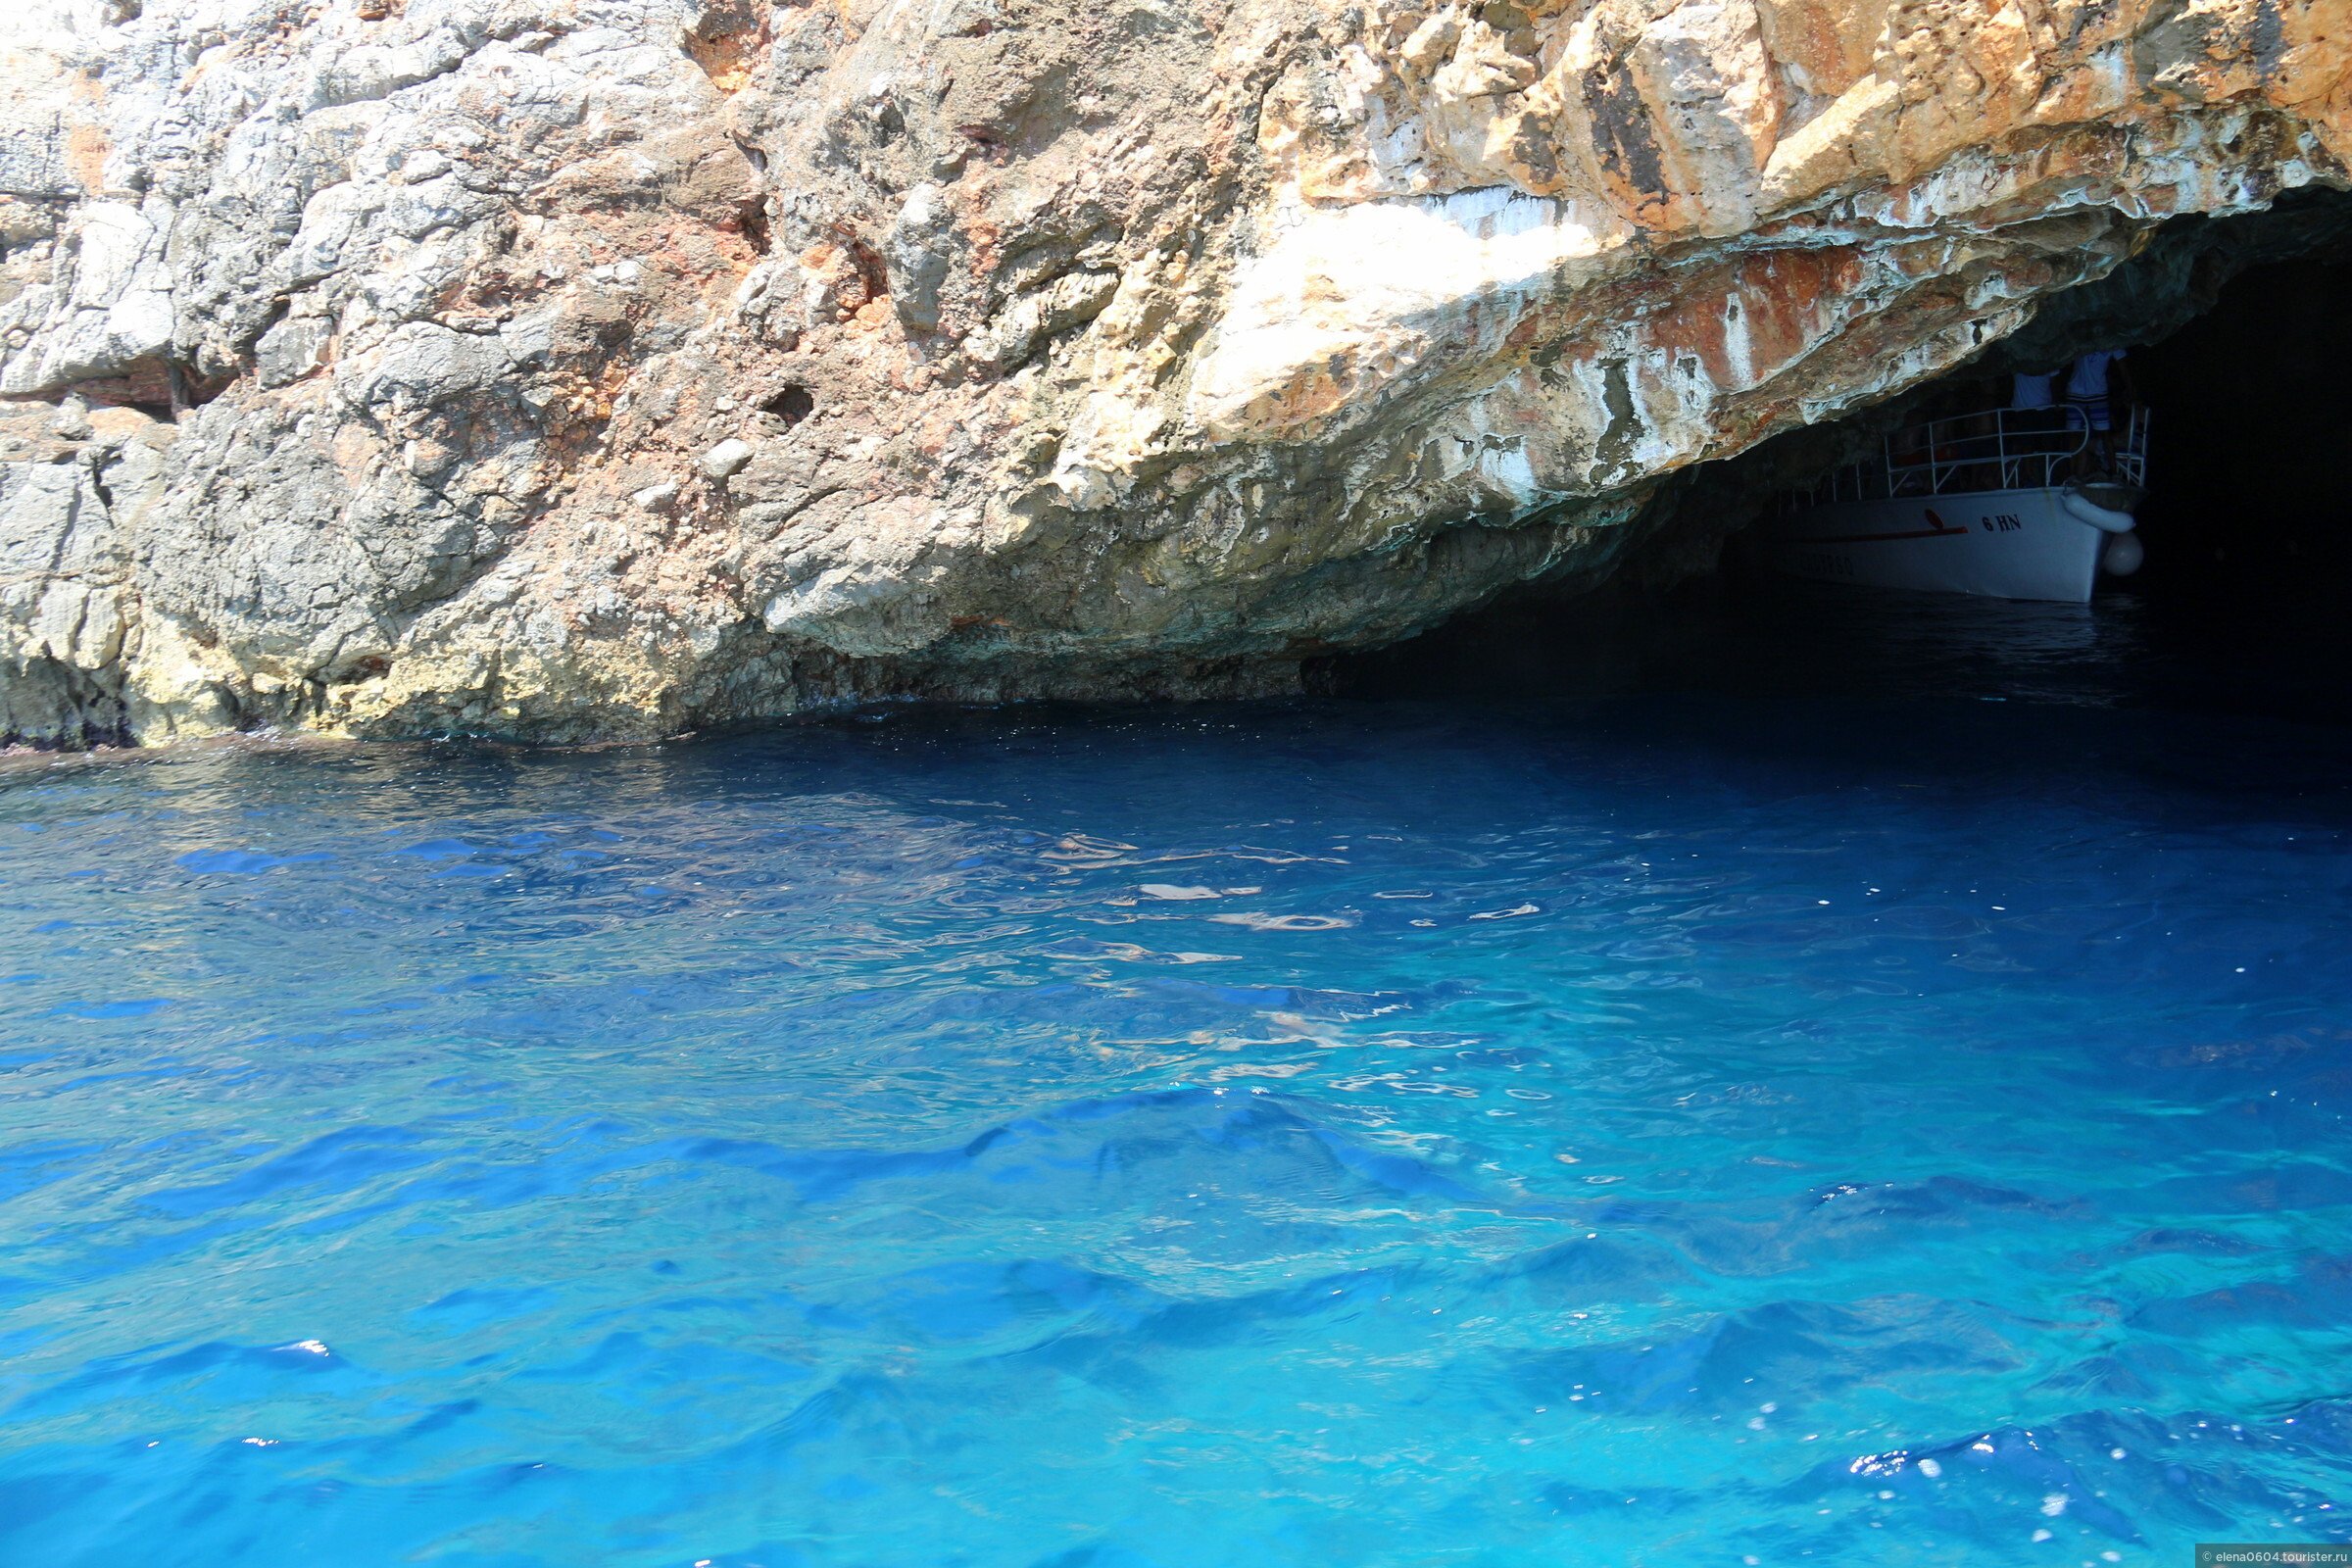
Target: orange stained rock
86	148
1751	319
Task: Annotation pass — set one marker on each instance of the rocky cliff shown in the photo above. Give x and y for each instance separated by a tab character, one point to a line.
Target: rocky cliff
578	369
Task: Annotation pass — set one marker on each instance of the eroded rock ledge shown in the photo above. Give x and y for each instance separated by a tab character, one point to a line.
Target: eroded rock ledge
603	370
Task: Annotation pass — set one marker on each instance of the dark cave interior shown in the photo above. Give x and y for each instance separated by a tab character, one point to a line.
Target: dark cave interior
2245	363
2257	421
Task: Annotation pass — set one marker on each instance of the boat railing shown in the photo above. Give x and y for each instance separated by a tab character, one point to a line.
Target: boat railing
1997	449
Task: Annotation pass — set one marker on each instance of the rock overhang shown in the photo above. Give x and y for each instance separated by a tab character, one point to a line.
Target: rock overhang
1131	350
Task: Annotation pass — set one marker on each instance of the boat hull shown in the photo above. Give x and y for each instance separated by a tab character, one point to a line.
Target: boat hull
2004	544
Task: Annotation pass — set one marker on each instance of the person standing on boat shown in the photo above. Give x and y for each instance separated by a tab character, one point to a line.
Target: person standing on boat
2087	399
2041	429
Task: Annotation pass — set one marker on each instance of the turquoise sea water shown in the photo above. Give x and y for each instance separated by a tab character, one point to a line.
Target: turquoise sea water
1685	1130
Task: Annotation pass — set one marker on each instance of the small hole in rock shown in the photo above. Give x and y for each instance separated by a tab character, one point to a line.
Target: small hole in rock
752	218
792	405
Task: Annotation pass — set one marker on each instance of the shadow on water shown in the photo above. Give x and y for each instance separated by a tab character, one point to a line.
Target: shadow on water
1742	634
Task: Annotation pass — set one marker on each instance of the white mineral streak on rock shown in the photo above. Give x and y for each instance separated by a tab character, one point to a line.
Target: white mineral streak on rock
1348	302
355	359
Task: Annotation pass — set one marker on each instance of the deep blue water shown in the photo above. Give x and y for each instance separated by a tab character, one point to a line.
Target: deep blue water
1667	1130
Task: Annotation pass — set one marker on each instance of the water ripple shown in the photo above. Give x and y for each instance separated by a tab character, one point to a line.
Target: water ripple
1286	1135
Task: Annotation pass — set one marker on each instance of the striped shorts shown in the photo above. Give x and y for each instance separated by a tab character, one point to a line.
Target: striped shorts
2093	412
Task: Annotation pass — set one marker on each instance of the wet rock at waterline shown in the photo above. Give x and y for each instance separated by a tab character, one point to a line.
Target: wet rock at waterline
604	369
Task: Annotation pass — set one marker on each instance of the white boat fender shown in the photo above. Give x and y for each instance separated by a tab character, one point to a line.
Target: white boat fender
2122	554
2106	520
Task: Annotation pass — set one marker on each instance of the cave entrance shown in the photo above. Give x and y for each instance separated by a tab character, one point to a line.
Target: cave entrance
2245	364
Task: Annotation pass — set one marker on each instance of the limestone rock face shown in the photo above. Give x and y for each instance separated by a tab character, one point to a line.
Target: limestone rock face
602	368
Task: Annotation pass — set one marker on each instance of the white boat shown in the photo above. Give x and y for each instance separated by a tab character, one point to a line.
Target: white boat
1977	504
